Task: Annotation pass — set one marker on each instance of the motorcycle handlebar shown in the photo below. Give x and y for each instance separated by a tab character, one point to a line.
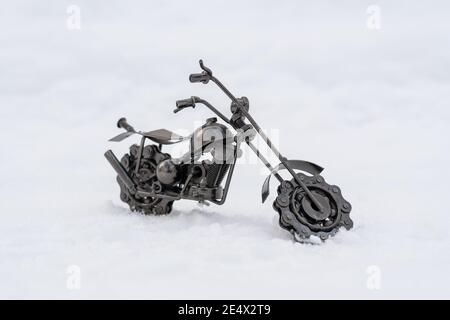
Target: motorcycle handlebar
184	103
204	77
199	77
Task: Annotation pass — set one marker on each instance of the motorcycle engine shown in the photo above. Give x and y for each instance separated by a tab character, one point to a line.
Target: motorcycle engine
167	172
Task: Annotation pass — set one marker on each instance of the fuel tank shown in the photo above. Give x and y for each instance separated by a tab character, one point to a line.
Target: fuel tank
214	138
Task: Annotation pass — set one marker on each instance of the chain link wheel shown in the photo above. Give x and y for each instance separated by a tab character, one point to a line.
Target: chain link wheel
145	179
299	216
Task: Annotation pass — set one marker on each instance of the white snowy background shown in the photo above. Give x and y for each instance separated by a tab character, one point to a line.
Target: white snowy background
367	99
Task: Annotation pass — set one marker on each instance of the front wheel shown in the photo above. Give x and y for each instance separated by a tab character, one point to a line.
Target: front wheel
300	217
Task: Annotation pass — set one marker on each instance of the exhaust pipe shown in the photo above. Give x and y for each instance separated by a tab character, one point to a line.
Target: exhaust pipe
120	170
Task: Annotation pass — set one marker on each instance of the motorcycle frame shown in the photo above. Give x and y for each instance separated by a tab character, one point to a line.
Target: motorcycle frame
206	75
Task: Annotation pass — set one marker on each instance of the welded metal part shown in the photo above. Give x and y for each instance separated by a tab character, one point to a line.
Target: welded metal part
302	165
167	172
121	171
299	215
164	136
150	180
147	197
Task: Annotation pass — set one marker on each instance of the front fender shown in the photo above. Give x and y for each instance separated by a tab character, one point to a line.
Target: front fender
302	165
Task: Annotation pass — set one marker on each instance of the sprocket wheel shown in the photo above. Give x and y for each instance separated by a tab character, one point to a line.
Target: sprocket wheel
145	179
299	215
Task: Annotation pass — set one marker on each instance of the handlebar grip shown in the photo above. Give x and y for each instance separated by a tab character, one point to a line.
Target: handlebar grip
185	103
199	77
122	123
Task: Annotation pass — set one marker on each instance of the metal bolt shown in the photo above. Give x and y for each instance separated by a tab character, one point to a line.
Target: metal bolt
283	200
286	185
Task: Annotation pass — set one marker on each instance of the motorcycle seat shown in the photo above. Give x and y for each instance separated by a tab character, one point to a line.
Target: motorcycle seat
164	136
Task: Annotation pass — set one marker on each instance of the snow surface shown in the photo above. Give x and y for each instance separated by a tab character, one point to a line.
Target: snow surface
371	106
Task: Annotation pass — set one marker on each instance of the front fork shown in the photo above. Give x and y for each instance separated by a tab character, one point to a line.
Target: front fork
282	159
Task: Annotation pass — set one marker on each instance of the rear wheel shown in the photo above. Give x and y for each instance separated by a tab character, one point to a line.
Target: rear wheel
145	178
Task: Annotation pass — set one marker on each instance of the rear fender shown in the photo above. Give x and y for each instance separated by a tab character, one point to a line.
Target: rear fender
122	136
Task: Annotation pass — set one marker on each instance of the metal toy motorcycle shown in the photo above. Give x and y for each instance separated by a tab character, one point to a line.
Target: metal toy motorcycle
151	180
